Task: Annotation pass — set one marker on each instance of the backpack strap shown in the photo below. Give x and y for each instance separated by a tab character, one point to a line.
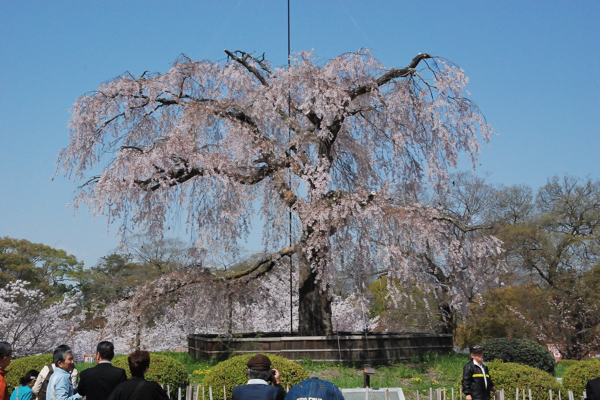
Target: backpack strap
136	390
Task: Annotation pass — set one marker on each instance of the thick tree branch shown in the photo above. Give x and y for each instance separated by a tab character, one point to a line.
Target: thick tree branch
263	265
243	60
389	76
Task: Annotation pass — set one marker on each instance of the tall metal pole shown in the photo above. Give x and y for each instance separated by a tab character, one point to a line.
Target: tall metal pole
290	178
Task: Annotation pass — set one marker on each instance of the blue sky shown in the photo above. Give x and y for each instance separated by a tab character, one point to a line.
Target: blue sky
533	68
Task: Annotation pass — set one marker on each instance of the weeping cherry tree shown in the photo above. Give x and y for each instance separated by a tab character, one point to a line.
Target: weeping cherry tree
343	145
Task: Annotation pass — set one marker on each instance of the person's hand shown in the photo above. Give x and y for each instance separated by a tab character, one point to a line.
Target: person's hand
494	389
276	377
469	397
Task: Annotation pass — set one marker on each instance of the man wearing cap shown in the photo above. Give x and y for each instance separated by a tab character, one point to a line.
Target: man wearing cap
261	377
316	389
476	381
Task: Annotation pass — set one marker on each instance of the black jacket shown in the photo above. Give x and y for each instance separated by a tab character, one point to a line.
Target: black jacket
149	390
258	392
592	389
97	383
473	383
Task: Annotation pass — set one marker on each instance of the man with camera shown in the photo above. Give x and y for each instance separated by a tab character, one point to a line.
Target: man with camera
264	383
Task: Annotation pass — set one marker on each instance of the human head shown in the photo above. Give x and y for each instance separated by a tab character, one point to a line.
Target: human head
315	388
259	367
29	378
476	353
5	354
61	348
106	350
139	362
63	358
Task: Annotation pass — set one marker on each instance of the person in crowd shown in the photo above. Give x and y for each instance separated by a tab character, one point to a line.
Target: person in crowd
315	388
24	392
60	386
5	357
592	389
138	388
264	382
41	383
476	382
97	383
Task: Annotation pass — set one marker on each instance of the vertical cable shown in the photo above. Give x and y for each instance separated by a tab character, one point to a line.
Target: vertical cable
290	177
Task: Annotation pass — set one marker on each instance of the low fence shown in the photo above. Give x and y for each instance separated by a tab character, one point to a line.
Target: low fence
200	392
519	393
372	347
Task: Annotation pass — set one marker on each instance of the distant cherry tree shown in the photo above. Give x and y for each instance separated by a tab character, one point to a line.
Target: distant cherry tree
33	322
345	145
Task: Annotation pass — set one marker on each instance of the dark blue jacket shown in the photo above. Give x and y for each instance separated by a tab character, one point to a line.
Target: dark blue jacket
258	392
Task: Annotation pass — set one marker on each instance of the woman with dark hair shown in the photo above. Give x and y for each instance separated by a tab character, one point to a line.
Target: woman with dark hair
5	357
138	388
24	392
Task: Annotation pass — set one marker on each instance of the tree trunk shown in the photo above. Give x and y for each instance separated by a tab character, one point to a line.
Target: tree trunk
314	311
447	319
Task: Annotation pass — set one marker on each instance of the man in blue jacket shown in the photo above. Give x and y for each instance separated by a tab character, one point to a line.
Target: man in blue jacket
60	386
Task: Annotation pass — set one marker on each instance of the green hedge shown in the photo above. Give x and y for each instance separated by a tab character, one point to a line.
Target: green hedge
510	376
232	373
21	366
577	375
521	351
163	369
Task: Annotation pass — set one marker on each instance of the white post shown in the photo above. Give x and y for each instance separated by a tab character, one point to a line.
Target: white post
529	393
178	393
430	393
517	395
210	392
225	393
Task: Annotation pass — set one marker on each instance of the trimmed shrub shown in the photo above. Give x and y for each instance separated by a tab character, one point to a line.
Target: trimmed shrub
232	373
21	366
510	376
577	375
521	351
163	369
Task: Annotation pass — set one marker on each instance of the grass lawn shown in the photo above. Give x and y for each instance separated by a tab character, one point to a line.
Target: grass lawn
430	371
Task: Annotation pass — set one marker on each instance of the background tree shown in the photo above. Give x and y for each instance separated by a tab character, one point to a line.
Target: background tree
47	268
164	254
552	249
339	143
32	322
